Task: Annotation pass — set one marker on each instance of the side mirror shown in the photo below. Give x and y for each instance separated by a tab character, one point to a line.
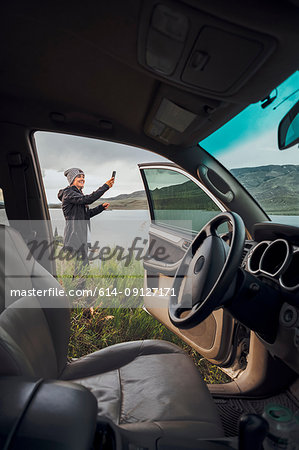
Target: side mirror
288	130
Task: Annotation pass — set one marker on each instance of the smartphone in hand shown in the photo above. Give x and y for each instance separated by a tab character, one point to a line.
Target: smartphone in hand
113	174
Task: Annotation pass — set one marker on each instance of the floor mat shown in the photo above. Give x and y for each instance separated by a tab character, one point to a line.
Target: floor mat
231	409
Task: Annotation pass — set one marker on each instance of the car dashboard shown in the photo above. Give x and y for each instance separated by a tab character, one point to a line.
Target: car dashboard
273	257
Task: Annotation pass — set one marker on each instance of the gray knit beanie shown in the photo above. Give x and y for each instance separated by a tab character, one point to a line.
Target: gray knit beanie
71	174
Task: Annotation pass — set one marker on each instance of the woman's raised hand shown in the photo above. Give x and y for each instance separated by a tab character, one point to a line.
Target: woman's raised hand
110	182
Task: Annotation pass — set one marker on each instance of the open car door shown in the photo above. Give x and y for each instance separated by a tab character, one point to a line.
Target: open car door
179	207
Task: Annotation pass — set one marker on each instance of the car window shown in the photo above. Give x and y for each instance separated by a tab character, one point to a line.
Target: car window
3	216
175	199
109	236
98	159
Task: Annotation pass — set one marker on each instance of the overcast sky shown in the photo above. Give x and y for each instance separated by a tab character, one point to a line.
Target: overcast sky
58	152
258	151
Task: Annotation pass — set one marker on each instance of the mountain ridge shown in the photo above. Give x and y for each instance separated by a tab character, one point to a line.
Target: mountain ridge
275	187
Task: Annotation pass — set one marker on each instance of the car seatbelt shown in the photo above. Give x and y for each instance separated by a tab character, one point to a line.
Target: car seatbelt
17	174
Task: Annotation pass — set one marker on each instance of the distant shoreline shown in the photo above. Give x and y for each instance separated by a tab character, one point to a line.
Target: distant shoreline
116	204
138	205
274	187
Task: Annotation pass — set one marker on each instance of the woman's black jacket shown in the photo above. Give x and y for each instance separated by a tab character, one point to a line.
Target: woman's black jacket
77	214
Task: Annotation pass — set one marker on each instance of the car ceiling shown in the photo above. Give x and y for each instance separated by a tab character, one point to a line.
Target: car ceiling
76	67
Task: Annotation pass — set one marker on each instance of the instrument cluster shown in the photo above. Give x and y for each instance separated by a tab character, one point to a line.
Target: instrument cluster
276	259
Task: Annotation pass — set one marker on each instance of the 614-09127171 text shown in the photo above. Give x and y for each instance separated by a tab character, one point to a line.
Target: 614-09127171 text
143	292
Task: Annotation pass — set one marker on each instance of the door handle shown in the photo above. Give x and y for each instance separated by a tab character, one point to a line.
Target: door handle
168	269
226	197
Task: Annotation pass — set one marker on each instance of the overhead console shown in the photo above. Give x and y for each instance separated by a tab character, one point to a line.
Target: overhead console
199	51
211	59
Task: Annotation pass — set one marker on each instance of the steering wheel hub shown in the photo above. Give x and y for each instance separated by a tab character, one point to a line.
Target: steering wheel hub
199	264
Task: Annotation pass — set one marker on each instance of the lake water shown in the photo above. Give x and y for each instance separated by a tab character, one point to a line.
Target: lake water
287	220
120	227
110	228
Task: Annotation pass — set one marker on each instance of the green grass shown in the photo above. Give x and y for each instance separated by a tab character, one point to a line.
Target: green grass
111	320
92	330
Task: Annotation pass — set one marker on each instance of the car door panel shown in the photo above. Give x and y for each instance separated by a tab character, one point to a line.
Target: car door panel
206	338
166	250
213	338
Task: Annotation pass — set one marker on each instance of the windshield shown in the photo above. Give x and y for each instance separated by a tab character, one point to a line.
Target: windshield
247	146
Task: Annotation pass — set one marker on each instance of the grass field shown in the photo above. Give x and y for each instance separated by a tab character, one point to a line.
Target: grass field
106	321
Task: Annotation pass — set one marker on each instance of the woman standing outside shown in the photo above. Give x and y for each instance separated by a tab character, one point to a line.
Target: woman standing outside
75	207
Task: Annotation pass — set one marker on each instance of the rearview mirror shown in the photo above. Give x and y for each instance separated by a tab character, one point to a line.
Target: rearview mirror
288	130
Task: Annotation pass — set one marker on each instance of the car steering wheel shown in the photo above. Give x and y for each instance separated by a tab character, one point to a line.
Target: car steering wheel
205	279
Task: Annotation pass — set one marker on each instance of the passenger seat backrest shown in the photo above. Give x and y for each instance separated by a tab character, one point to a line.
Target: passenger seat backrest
34	331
